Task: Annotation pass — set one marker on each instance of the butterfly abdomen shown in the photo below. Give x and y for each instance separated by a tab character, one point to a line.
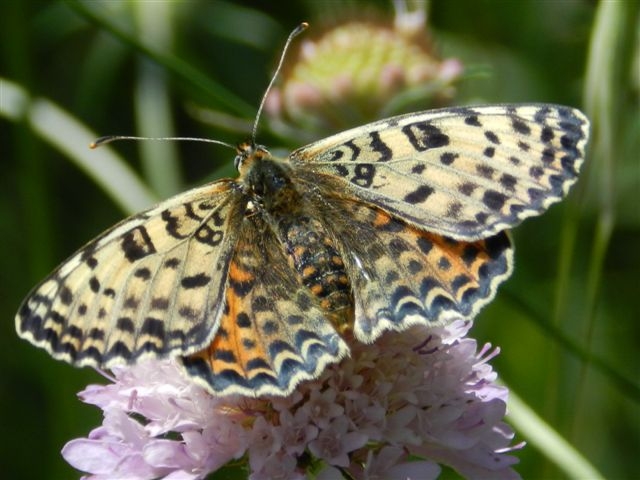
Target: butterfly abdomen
315	258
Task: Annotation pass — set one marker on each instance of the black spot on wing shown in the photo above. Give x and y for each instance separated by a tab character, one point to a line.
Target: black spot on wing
190	212
520	126
536	172
73	332
494	200
340	170
207	235
195	281
131	302
189	313
508	182
144	273
377	145
96	334
569	143
159	303
485	171
91	352
225	355
423	136
364	174
448	158
492	137
424	245
260	303
355	150
154	327
548	156
541	114
469	254
546	135
444	263
467	188
137	244
419	195
125	324
66	297
459	282
172	263
454	209
418	168
91	262
243	320
472	120
270	328
94	284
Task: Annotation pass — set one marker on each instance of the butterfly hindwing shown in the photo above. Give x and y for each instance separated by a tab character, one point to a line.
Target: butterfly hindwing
272	334
466	173
401	275
149	286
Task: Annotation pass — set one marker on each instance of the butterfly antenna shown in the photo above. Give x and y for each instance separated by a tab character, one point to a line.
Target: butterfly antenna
114	138
296	31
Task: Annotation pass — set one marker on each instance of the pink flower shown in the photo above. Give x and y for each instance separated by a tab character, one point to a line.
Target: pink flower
393	462
335	442
371	416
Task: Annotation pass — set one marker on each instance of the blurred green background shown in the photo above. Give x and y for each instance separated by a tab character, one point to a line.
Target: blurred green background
568	321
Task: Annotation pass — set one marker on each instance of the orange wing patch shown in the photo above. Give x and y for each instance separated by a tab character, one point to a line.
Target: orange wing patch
402	275
273	333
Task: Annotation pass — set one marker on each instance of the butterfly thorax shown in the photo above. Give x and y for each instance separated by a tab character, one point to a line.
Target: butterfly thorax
270	188
308	245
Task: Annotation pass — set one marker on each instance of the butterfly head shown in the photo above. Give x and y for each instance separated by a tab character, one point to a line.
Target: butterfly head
266	180
247	154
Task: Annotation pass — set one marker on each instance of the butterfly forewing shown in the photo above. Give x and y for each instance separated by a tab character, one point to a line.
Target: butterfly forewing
150	286
462	172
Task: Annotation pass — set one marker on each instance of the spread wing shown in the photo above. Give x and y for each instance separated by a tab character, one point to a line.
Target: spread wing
151	286
402	275
467	173
272	334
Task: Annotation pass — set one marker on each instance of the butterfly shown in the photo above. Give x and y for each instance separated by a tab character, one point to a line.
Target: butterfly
258	283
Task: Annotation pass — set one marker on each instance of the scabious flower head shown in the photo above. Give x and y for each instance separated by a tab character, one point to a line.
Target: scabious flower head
359	71
394	409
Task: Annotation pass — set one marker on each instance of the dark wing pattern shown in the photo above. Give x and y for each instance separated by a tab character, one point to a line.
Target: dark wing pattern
401	275
272	334
151	286
466	173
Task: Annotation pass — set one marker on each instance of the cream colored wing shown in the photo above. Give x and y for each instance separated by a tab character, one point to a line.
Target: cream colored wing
466	173
151	286
403	276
